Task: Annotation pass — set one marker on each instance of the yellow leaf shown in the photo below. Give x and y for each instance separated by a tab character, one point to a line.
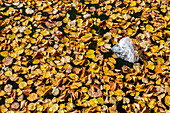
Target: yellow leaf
46	74
27	32
90	53
167	100
19	92
2	93
28	52
32	97
151	65
24	70
36	61
94	67
113	16
119	92
158	82
39	107
14	29
152	103
84	89
4	53
108	6
100	100
8	73
73	76
133	3
158	69
149	28
155	49
22	85
19	50
106	87
160	60
45	32
31	106
130	31
86	37
9	100
53	108
48	9
93	102
100	43
16	68
32	40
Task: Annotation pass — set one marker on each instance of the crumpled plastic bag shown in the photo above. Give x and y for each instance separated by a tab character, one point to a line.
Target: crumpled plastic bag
125	50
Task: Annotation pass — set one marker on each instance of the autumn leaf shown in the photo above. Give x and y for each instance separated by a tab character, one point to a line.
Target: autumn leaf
167	100
53	108
4	53
8	73
86	37
93	102
31	106
90	54
27	32
149	28
22	85
32	97
150	65
19	50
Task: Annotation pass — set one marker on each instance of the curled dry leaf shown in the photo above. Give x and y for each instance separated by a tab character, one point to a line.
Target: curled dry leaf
124	68
15	105
32	97
8	61
53	108
14	77
55	91
58	53
72	23
27	91
8	88
95	91
29	11
86	37
107	46
104	50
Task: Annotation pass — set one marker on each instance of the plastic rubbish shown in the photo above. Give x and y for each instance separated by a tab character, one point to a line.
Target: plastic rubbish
125	50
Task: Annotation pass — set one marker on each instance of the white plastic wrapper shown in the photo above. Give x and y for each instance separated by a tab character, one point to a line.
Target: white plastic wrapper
125	50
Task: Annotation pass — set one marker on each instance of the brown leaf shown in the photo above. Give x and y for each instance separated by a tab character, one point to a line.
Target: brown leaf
8	88
102	23
95	91
15	105
37	55
9	61
32	97
27	91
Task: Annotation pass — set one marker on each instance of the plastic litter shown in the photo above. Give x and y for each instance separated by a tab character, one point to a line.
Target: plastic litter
125	50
